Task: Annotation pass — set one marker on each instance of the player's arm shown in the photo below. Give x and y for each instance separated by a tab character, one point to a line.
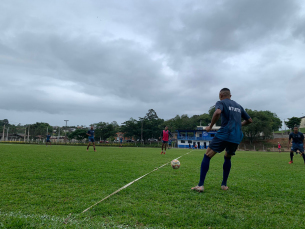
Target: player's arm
247	119
161	135
170	134
88	133
289	139
247	122
215	118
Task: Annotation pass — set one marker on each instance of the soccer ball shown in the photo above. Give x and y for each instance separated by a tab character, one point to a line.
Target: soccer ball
175	164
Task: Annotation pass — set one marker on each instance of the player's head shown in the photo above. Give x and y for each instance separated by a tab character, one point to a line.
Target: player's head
295	129
91	127
166	128
224	94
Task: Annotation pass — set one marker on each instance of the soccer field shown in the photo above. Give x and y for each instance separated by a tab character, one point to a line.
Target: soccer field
50	187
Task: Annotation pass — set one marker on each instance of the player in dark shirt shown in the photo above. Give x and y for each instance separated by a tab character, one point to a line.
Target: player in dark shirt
121	142
297	143
227	137
48	139
91	135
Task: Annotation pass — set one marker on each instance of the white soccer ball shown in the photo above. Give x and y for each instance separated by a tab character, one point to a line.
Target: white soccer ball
175	164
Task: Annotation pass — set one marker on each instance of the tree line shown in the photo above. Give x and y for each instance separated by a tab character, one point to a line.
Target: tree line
150	126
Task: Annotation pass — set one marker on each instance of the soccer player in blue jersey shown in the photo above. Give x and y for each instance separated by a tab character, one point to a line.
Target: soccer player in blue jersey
121	142
48	140
227	137
297	143
91	138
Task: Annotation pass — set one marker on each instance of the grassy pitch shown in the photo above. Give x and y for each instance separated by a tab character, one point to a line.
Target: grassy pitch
49	187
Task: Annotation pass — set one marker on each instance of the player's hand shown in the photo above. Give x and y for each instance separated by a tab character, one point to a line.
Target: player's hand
208	128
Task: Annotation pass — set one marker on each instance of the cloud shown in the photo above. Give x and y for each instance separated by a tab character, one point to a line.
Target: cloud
112	61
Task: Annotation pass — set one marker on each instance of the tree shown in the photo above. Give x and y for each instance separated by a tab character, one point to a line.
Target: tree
5	122
131	128
264	123
152	125
292	122
40	129
78	134
104	130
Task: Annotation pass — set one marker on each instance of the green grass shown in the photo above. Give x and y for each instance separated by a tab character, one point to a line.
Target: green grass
41	186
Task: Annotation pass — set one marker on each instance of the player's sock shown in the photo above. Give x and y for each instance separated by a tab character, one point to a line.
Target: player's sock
291	156
205	164
226	170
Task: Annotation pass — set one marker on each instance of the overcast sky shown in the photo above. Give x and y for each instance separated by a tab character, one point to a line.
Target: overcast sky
105	60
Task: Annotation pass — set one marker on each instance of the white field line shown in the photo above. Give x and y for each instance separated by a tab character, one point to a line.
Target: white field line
125	186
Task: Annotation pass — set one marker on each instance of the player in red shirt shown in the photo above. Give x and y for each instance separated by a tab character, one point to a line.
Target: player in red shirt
279	147
165	137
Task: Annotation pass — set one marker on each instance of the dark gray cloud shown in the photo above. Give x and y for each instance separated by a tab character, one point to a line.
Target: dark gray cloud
112	61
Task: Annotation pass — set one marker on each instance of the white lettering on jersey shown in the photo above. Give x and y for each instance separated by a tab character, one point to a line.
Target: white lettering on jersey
234	109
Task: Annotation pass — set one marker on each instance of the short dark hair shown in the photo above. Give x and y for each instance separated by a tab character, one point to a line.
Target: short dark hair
225	91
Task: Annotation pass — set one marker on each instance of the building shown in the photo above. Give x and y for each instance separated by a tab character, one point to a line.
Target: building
302	125
198	137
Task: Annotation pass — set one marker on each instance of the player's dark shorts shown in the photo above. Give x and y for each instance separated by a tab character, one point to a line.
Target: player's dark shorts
48	140
219	145
164	141
296	147
91	139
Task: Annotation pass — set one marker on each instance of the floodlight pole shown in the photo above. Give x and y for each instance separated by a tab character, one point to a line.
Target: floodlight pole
29	133
7	133
3	139
66	131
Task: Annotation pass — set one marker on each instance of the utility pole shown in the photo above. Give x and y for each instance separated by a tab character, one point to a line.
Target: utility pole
3	139
66	131
29	133
58	134
24	134
7	133
142	131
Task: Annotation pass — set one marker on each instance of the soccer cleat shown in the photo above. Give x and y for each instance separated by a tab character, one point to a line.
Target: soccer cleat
198	188
94	150
164	152
87	149
224	187
290	162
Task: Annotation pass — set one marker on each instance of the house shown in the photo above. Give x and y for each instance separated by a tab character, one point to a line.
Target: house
198	137
302	125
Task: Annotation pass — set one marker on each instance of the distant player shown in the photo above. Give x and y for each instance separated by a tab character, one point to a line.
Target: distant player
227	137
297	143
165	137
48	139
279	147
169	143
121	142
91	138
